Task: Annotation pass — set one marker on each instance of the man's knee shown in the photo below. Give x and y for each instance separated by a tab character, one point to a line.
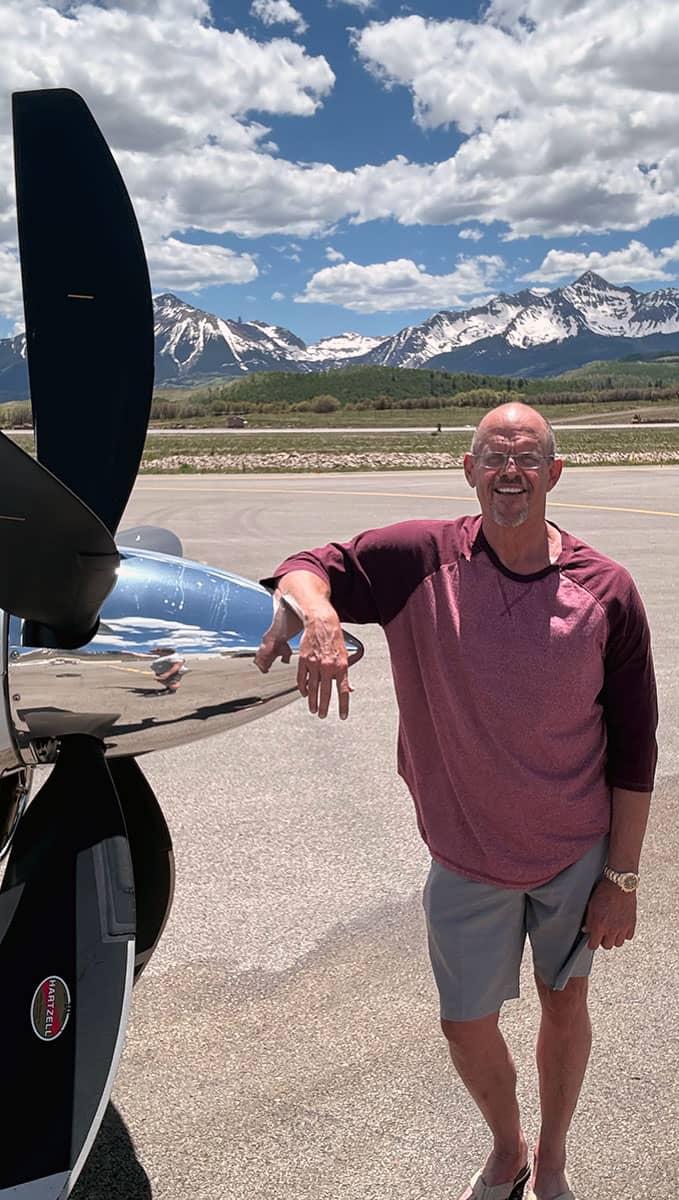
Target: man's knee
566	1003
464	1034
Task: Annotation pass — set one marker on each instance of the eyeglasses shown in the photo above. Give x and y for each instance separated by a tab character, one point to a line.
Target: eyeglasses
527	460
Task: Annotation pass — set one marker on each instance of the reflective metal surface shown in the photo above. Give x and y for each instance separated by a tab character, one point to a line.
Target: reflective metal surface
172	662
10	758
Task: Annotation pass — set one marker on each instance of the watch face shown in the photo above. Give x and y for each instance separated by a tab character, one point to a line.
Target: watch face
630	882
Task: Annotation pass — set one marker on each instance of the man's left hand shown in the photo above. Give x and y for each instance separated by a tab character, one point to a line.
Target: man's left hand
611	916
285	625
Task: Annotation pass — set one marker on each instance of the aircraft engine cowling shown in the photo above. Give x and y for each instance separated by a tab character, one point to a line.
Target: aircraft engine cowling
172	662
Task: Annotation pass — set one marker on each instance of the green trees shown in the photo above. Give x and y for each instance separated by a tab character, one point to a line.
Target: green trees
324	404
386	389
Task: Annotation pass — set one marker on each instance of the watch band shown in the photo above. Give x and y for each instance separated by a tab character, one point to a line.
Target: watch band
627	881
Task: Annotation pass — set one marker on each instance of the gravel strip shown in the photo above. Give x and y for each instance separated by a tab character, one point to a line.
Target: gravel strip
225	463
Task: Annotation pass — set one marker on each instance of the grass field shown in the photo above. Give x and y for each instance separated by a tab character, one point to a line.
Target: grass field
569	441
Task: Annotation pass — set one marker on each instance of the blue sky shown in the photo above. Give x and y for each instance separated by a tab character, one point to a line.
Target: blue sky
332	165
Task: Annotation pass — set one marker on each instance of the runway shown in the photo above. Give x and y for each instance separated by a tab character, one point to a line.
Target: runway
284	1043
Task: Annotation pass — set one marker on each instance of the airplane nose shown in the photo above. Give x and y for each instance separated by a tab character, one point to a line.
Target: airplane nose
172	662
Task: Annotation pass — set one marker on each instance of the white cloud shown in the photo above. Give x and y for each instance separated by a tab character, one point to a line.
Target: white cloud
470	234
10	286
278	12
239	192
278	295
173	96
179	266
520	16
401	284
333	255
200	9
567	110
633	264
437	60
363	5
160	84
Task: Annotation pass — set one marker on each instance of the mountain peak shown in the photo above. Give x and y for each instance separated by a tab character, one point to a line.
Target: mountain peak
592	280
166	298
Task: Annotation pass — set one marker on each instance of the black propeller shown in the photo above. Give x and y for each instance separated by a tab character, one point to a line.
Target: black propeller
152	858
68	968
89	345
57	561
90	873
87	299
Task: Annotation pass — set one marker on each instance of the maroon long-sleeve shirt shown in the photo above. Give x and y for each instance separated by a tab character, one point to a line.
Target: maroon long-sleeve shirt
522	698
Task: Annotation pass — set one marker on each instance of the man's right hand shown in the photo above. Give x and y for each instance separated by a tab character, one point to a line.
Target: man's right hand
323	661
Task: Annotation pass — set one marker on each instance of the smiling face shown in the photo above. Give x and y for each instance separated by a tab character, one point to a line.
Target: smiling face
512	493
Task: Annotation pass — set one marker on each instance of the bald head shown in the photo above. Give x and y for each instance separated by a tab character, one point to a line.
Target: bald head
511	419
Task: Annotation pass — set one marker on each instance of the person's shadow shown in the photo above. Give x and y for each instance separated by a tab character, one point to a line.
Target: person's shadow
112	1170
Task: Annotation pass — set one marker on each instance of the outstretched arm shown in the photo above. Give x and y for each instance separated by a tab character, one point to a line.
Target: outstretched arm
304	603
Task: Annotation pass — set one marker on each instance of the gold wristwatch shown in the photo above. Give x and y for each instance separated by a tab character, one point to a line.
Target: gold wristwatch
627	881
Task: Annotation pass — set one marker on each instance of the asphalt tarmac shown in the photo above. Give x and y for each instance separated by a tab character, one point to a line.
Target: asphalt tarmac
284	1042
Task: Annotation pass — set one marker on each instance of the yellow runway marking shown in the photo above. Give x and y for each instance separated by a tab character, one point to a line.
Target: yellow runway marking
323	492
135	670
648	512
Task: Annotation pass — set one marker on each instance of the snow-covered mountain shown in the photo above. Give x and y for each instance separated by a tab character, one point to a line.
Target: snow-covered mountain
191	343
539	333
336	351
13	368
532	320
531	333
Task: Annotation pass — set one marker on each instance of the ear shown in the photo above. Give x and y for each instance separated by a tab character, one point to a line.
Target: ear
468	464
555	469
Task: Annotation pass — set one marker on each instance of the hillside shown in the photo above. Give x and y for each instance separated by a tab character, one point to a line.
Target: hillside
353	385
661	372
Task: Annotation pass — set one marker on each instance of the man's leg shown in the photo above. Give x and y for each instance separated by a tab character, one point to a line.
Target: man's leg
563	1047
485	1066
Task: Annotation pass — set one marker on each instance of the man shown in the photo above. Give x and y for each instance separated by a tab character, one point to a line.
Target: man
168	667
524	679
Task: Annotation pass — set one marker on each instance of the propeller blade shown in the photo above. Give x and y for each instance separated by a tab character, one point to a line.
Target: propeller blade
152	857
58	562
151	537
67	930
87	300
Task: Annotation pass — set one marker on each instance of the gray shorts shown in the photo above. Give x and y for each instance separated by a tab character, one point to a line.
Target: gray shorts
477	933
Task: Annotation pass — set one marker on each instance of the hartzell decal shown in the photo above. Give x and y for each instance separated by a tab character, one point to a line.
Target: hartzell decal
50	1008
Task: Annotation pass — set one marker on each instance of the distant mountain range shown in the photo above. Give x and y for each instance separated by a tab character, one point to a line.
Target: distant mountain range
532	333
